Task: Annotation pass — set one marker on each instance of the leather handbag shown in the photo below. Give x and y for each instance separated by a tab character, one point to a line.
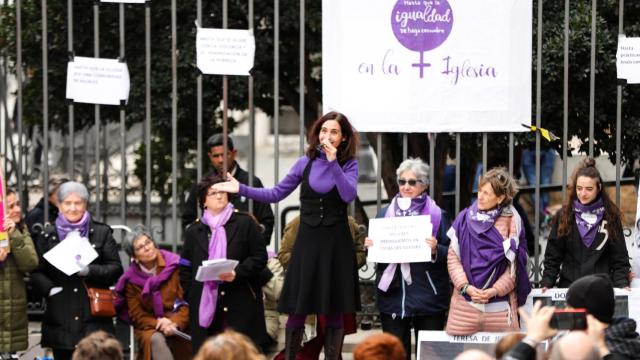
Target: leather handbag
101	302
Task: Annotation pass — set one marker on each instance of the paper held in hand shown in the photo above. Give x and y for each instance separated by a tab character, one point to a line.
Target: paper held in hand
400	239
211	269
72	254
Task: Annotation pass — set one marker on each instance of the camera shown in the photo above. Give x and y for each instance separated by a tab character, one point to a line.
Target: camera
569	319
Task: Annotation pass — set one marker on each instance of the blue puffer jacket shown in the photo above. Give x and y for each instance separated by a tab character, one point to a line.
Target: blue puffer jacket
429	292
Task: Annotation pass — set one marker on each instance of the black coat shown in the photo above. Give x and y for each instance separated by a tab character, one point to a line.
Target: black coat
429	294
239	301
261	211
566	259
36	217
68	318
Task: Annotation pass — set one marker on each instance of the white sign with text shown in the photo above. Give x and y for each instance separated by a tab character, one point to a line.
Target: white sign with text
400	239
225	51
97	81
628	59
428	65
627	301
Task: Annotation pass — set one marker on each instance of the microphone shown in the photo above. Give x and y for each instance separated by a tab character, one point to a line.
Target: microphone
319	147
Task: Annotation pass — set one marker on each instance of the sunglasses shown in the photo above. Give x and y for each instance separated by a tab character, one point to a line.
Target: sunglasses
411	182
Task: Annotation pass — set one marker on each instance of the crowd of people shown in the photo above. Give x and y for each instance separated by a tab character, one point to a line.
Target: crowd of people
476	279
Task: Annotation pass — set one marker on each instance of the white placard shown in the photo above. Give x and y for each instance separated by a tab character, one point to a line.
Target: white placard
225	51
125	1
71	254
434	345
627	301
400	239
211	269
628	59
97	81
428	65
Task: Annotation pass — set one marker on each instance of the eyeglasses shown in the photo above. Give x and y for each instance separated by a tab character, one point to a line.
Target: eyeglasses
411	182
143	245
215	193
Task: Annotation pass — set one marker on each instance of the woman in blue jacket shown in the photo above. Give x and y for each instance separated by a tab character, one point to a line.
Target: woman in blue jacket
414	294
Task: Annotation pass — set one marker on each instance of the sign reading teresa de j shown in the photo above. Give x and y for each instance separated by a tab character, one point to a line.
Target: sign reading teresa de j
428	65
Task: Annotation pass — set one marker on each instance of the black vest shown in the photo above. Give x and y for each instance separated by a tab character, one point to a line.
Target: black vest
316	208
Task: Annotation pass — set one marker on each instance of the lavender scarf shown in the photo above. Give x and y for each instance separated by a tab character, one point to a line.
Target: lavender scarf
420	205
217	250
588	218
484	253
64	227
150	285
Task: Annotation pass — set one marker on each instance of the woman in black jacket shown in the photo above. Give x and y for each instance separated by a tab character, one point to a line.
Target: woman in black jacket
586	237
235	300
68	318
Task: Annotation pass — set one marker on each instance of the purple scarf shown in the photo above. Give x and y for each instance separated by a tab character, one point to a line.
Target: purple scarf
588	218
420	205
482	252
217	250
64	227
150	285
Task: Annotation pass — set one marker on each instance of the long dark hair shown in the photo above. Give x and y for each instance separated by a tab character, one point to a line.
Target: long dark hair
347	149
612	214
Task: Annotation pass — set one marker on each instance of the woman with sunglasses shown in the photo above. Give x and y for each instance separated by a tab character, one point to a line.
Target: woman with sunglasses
487	260
414	295
322	276
151	298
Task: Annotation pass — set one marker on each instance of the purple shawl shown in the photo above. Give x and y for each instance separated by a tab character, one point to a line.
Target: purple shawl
217	250
150	285
64	227
482	253
420	205
588	218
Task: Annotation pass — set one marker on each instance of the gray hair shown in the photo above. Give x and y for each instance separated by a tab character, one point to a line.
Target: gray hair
127	245
73	187
417	166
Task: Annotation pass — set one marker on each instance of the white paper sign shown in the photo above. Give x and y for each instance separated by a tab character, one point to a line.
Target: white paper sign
628	59
97	81
428	65
125	1
400	239
225	51
435	345
71	254
211	269
627	301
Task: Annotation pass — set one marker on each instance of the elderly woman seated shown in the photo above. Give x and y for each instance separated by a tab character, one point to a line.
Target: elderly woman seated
151	298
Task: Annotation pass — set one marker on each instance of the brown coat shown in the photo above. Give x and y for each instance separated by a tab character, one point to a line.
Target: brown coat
144	321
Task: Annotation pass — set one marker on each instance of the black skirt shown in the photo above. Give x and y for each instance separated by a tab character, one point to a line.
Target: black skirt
322	276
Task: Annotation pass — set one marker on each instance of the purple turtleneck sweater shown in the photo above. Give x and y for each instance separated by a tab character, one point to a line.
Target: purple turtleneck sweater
323	176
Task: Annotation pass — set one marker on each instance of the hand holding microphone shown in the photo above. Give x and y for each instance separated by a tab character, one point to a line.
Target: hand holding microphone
329	149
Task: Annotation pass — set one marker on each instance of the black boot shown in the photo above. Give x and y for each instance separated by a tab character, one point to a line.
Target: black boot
292	342
333	339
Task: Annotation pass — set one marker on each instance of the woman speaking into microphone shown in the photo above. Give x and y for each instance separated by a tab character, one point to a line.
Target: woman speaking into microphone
322	275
